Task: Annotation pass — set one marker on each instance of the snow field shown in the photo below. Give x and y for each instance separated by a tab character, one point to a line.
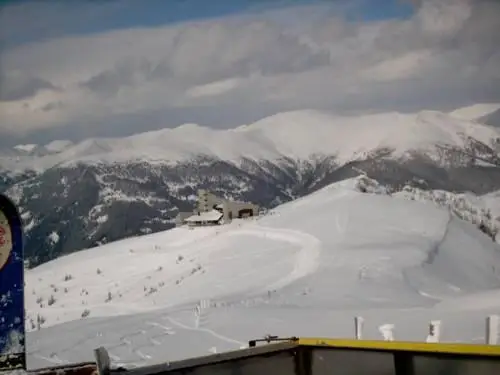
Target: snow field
306	269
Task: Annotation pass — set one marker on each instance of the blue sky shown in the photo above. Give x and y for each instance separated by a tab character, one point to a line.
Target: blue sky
37	20
72	69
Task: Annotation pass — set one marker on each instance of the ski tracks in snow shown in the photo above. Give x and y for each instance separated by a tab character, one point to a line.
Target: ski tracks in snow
206	330
306	260
141	351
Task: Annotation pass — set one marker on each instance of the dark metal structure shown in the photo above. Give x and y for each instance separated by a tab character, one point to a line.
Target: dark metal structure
317	356
84	368
12	335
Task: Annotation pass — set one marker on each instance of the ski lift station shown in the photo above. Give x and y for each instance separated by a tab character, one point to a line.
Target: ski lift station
212	210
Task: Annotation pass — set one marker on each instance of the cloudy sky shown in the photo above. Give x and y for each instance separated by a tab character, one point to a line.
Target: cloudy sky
88	68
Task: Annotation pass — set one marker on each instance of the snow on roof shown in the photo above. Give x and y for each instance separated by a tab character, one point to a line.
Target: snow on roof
205	216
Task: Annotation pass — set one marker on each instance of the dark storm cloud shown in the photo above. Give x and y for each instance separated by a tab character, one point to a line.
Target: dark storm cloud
18	86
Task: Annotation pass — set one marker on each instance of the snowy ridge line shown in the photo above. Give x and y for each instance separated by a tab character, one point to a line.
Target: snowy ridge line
475	111
309	133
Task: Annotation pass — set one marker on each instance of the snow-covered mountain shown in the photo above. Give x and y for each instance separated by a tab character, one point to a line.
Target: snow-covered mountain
305	269
484	113
75	196
296	135
475	111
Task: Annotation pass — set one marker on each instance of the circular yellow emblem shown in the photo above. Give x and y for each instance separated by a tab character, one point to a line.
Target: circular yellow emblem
5	240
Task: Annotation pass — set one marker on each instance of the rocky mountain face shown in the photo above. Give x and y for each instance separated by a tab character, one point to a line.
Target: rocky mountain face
71	206
66	209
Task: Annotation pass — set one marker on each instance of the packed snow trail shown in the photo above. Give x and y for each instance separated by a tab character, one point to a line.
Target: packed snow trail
209	331
306	261
305	269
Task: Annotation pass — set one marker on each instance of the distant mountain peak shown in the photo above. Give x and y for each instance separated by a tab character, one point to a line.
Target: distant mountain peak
296	135
58	145
26	147
475	111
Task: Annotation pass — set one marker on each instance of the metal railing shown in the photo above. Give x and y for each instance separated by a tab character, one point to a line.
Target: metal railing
324	356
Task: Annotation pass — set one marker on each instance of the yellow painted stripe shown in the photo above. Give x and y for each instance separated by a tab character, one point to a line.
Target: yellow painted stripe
466	349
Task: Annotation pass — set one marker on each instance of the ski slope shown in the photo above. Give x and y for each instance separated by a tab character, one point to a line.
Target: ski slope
305	269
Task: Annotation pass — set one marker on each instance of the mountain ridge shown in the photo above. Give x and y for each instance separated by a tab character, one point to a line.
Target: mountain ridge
295	134
94	192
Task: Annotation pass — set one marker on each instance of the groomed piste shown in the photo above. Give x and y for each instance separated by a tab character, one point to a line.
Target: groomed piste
305	269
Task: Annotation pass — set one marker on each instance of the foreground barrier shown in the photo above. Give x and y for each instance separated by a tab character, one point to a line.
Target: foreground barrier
322	356
318	356
492	332
84	368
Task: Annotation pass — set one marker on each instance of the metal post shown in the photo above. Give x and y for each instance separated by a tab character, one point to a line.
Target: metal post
492	323
358	327
434	331
387	331
102	360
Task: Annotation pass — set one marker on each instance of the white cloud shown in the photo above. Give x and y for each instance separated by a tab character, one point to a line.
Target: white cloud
405	66
445	55
444	17
213	88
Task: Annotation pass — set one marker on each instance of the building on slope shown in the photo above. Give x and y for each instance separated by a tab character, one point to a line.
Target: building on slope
213	210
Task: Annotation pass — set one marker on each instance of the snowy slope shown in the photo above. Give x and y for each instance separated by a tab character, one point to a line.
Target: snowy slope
475	209
467	206
295	135
492	201
475	111
305	269
482	209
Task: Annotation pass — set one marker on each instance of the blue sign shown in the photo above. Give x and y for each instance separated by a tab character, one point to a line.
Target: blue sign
12	334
